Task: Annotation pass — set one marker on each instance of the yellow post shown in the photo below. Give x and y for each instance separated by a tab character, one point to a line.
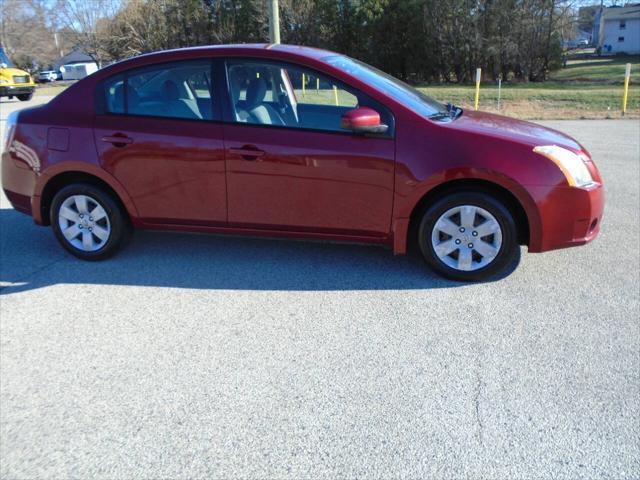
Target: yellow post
335	95
303	85
627	77
477	100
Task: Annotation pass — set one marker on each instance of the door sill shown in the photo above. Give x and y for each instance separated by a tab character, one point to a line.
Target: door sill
269	232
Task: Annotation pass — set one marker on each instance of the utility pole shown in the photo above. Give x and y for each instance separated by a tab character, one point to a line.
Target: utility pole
274	22
55	38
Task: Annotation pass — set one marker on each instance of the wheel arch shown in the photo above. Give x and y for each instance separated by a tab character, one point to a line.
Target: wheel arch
522	209
50	184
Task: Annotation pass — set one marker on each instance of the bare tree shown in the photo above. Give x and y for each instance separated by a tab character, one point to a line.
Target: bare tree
88	20
26	33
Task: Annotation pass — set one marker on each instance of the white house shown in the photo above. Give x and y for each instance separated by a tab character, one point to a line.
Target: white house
76	65
620	30
77	71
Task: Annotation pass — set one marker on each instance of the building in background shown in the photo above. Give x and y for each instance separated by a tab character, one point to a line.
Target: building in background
619	30
75	65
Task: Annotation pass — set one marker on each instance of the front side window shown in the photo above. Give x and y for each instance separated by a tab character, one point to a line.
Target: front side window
285	95
179	90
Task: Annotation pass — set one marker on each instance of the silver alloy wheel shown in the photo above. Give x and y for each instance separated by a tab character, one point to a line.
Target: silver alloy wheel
84	223
466	238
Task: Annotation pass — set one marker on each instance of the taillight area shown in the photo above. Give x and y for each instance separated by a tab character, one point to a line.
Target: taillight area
12	121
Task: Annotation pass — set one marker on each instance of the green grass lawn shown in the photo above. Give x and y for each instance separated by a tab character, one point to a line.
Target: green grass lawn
550	100
603	69
586	88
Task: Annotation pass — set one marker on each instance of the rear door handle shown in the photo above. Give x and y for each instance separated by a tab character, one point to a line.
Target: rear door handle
118	140
248	152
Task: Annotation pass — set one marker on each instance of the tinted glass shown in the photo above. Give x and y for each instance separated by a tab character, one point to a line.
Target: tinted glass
114	94
279	94
5	59
174	90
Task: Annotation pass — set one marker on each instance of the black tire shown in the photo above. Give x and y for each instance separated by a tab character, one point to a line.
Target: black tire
25	97
120	228
508	253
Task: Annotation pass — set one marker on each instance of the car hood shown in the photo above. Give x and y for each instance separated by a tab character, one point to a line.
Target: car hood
512	129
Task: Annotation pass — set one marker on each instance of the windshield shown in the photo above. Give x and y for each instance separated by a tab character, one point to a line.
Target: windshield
4	58
397	89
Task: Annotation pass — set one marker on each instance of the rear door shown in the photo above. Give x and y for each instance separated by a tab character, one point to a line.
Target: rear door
157	132
289	164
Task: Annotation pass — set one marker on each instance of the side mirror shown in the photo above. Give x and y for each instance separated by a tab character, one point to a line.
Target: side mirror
363	120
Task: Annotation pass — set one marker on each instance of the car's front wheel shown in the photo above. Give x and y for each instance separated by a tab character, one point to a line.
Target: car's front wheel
88	222
468	236
25	97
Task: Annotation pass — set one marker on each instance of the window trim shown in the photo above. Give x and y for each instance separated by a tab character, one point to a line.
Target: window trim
221	110
228	117
101	94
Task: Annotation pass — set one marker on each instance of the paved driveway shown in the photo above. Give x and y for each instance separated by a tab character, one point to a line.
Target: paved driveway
204	356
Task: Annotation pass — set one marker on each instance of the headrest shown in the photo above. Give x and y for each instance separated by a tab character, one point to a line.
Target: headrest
118	98
170	91
134	98
256	91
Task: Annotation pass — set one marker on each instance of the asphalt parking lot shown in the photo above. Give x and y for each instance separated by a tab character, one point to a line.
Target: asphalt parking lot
220	357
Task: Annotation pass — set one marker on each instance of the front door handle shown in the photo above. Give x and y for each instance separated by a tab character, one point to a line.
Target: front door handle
248	152
118	140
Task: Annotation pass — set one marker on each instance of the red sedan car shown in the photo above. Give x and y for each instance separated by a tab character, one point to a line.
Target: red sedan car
294	141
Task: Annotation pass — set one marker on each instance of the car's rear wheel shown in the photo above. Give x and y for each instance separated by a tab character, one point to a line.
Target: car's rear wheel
88	222
25	97
468	236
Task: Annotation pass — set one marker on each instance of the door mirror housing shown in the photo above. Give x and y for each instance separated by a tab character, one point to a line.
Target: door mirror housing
363	120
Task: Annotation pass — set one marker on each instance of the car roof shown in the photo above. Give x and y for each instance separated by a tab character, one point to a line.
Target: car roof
265	50
221	50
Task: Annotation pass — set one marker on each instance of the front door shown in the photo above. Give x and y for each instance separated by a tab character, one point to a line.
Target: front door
290	165
157	136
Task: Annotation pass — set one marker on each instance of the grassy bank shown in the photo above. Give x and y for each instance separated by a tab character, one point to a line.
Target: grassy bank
585	88
548	101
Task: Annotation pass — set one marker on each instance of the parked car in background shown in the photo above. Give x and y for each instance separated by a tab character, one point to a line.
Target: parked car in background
292	141
14	82
47	76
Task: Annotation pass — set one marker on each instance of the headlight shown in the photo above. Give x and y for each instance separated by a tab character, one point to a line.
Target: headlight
571	164
2	80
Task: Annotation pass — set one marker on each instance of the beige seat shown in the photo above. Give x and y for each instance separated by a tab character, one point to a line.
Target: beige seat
176	107
259	111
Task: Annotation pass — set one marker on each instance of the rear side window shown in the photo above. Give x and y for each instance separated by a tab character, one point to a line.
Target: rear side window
180	90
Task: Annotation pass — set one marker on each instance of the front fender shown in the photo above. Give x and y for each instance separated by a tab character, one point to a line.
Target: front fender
405	204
